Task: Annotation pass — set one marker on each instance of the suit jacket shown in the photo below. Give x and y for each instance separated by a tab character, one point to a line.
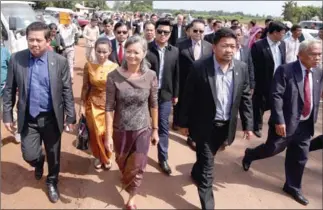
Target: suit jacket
114	55
287	95
245	56
198	107
60	89
186	59
209	37
174	35
170	79
264	65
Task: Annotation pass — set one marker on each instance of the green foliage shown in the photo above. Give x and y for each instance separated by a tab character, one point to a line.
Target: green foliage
134	6
295	14
71	4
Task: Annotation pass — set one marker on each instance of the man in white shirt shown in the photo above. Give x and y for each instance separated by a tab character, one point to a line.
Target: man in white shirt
292	43
91	34
68	32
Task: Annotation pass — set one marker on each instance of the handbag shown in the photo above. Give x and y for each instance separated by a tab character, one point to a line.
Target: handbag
82	134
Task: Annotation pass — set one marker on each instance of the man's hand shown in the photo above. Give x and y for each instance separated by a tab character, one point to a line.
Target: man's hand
175	101
10	127
247	135
281	129
184	131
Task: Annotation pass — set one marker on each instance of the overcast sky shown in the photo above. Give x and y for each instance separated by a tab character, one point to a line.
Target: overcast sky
273	8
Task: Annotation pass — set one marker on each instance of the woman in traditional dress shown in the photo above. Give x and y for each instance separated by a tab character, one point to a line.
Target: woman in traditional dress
132	115
93	100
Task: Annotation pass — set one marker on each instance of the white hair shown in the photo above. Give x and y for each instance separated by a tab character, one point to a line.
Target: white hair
303	47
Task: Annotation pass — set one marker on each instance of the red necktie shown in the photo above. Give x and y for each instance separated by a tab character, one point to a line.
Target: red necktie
120	55
307	95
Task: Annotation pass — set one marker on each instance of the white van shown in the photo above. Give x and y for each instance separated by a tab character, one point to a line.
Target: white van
15	17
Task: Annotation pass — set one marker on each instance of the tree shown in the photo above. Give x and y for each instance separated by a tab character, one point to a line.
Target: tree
98	3
289	10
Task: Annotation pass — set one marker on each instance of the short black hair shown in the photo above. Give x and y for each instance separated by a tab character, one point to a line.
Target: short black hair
198	21
52	26
268	20
234	20
149	23
295	27
276	26
188	26
164	22
108	21
217	22
152	15
102	40
233	28
39	26
253	22
223	33
94	19
209	20
120	24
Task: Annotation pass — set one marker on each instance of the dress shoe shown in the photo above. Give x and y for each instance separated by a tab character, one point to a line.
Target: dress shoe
258	133
53	193
245	162
191	143
298	196
39	170
165	167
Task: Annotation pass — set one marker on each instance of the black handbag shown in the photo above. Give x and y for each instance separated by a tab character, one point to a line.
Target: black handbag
82	134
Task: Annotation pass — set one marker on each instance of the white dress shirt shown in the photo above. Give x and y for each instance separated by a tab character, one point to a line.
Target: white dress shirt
68	33
179	31
310	77
292	46
117	47
274	47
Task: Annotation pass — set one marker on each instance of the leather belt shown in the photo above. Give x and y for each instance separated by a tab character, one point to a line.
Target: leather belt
220	123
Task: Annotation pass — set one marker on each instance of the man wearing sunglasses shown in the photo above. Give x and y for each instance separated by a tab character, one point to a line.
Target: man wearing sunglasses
191	50
164	60
121	32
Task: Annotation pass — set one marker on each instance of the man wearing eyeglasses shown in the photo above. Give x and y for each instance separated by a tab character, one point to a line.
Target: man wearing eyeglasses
164	60
121	32
191	50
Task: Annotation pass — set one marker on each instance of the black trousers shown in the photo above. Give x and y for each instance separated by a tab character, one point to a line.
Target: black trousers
296	155
43	128
259	108
202	171
316	143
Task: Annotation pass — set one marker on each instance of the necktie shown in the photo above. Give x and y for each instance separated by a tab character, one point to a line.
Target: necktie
33	94
120	54
307	95
197	50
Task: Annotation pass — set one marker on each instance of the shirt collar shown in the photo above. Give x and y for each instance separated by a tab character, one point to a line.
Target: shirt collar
217	65
158	48
194	42
42	58
304	68
118	43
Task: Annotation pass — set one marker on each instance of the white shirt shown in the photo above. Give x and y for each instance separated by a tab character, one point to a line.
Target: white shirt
107	36
237	55
310	76
274	47
208	30
68	33
292	46
179	31
117	43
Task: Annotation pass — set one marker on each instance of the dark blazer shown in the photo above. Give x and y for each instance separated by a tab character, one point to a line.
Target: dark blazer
209	37
198	107
174	35
264	65
245	56
170	79
186	59
60	86
114	55
287	95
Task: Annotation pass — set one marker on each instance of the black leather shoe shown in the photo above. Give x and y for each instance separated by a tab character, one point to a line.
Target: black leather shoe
53	193
298	196
258	133
165	167
191	143
245	162
39	170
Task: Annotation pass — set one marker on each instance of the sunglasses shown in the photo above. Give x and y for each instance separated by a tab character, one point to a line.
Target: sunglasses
195	31
162	31
122	32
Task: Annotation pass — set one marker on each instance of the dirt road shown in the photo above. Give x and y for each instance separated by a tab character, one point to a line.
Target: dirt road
82	187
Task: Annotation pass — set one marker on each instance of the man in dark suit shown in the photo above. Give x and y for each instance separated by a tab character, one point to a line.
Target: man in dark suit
167	71
216	90
217	25
191	50
295	96
267	22
121	32
267	54
178	30
45	103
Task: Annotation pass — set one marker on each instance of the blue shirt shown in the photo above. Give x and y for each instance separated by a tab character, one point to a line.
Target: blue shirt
39	85
5	56
224	91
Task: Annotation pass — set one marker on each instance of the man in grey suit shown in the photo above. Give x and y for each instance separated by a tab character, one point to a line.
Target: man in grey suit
45	97
191	50
295	98
216	89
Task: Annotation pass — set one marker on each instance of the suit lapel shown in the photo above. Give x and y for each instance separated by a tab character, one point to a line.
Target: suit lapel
316	84
211	77
268	50
52	73
25	71
282	52
299	79
190	48
236	79
155	52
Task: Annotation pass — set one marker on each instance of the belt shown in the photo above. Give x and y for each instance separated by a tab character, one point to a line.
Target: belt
220	123
72	45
